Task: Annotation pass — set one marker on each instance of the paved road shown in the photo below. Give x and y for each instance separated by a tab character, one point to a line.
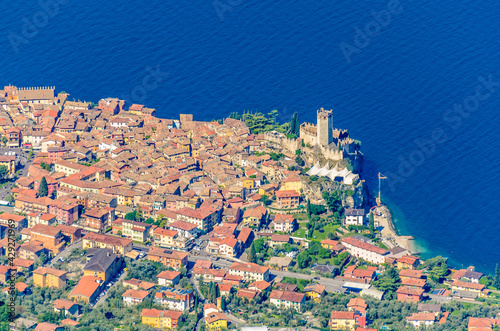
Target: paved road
104	297
235	320
330	283
66	251
22	165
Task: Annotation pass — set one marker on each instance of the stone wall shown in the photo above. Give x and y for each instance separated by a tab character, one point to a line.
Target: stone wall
282	141
308	133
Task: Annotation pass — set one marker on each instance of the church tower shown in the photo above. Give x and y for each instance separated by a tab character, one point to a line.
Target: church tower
325	127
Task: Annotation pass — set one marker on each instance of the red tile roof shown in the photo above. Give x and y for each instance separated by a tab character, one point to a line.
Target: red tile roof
169	275
252	267
86	287
342	315
408	290
421	317
364	245
174	315
136	294
287	296
287	194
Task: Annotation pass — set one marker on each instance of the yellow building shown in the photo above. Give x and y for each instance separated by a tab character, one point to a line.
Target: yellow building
408	262
216	322
164	319
49	277
10	162
342	320
137	231
103	264
248	183
294	184
329	244
314	292
117	245
254	216
465	286
267	189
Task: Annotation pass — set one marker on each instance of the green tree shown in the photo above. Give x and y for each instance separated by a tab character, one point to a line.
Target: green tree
252	256
223	303
162	220
265	200
4	172
4	316
389	281
43	258
211	291
45	166
299	161
371	223
308	208
10	199
43	189
62	314
294	125
131	216
496	278
303	259
437	267
332	236
201	283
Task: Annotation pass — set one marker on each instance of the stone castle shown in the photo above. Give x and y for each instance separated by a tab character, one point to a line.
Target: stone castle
323	143
334	143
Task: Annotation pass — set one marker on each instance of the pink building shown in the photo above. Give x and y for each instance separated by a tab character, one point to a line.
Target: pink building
66	211
52	184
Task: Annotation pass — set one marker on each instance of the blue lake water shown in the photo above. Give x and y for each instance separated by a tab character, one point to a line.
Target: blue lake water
390	83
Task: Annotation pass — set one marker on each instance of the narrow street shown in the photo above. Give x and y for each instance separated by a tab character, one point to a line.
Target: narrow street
67	251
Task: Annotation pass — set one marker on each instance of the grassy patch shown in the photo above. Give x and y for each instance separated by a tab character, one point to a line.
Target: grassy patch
327	229
300	216
330	261
379	244
300	233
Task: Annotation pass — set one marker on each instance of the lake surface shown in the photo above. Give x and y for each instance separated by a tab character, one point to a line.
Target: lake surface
396	74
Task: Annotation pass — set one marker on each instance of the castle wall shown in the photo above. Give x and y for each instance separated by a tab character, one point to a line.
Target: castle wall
331	153
308	133
282	141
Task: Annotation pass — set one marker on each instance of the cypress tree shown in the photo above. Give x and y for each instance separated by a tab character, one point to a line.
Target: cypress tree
372	223
309	208
252	256
43	189
297	125
223	304
496	278
211	292
293	123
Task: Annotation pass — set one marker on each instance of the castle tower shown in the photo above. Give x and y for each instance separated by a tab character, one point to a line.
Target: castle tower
325	127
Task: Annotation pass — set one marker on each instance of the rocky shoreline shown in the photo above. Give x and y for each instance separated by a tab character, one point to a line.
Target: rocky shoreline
389	231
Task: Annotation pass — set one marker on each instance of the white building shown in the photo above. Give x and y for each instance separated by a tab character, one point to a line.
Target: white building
169	278
175	299
354	217
133	297
249	271
287	299
421	319
365	250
